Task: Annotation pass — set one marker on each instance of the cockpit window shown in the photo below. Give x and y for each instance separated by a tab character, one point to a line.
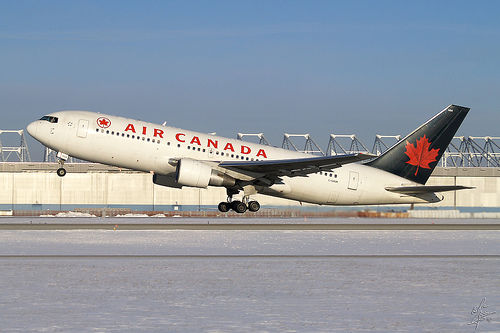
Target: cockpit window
50	119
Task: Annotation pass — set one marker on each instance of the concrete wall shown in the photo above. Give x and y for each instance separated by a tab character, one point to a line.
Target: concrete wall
484	195
36	186
26	186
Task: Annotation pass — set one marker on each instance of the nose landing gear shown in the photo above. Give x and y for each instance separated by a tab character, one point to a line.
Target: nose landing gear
61	158
61	172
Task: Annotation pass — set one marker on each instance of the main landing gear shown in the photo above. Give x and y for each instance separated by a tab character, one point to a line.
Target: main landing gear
238	206
61	158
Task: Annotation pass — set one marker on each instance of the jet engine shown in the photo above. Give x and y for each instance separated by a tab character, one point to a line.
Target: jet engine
196	173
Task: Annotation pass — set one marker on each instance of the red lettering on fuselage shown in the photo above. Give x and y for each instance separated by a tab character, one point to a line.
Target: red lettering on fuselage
178	135
130	127
181	137
245	150
229	146
262	153
215	143
158	132
196	140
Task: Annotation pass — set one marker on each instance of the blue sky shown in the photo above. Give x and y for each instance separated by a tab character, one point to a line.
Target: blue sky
321	67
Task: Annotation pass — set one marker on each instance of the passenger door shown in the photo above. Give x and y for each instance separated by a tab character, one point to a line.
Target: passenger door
83	126
353	180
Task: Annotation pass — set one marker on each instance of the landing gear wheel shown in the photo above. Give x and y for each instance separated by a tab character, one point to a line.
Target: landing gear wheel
224	207
61	172
253	206
238	207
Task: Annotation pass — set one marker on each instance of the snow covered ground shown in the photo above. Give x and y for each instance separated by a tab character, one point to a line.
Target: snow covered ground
248	281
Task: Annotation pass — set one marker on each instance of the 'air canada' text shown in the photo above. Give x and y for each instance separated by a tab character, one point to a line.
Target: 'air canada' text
195	140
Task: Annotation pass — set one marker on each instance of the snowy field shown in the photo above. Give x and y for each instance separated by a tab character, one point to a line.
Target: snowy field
248	281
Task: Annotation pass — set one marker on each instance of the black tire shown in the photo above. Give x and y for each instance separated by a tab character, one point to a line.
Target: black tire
253	206
238	207
61	172
224	207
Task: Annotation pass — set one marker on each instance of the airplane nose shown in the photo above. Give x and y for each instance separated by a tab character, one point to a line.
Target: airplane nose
32	128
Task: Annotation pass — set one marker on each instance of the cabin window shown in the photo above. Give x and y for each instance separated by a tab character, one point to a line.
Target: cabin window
107	132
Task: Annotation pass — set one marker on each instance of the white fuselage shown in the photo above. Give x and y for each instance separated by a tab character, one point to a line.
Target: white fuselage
149	147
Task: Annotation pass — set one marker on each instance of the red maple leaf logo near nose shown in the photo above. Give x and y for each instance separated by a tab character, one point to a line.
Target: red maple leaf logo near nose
420	155
103	122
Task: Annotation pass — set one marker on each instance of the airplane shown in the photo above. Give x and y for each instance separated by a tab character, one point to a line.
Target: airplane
179	157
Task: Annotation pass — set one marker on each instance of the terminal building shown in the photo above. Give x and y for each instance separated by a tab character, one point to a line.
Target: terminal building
35	186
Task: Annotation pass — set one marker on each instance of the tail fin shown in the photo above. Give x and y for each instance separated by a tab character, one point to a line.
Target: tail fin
416	156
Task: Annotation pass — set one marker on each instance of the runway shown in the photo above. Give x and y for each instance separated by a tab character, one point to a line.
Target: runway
244	227
253	256
154	275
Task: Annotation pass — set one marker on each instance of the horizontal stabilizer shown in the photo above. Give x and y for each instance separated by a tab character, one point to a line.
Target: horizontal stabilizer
426	189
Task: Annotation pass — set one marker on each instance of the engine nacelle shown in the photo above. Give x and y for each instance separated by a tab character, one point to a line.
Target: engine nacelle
198	174
165	181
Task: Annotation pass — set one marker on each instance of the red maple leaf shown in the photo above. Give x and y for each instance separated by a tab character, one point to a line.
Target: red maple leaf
420	155
103	122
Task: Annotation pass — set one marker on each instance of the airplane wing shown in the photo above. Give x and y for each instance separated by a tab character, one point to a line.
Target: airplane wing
426	189
294	167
